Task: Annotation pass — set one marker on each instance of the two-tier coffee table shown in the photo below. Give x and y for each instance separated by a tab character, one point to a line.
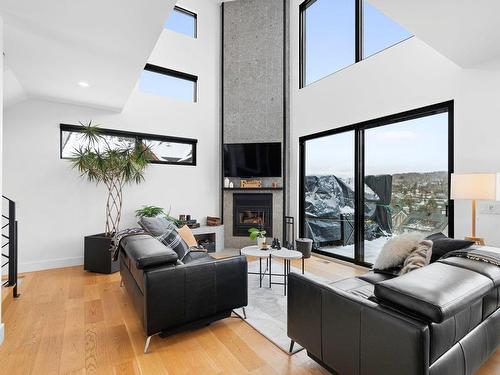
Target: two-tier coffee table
286	255
254	251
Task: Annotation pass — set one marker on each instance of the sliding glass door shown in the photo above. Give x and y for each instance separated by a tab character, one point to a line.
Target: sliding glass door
401	166
406	179
329	193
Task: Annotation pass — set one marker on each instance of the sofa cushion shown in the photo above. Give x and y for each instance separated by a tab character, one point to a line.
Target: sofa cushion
354	286
442	244
376	277
166	232
196	257
145	251
435	292
489	270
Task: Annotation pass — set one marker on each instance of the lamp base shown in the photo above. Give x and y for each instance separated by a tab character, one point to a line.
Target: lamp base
478	240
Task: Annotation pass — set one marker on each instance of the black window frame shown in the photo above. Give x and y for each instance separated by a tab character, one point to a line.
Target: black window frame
139	137
358	38
176	74
359	169
191	14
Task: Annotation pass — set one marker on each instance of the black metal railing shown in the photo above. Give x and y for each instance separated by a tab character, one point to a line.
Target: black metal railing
9	222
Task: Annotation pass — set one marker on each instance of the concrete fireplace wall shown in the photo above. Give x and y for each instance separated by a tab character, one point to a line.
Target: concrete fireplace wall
253	90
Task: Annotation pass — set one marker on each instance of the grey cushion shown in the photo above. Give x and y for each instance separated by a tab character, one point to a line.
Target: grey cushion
442	244
165	232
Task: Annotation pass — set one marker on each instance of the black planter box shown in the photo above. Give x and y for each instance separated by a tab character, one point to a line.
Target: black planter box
97	256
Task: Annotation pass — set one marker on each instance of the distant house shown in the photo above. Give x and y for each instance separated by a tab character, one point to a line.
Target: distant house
419	221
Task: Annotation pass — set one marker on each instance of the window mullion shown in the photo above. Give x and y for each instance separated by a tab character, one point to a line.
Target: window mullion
359	30
359	195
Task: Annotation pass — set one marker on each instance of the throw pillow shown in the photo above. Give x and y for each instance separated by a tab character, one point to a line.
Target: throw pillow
165	232
396	250
442	244
187	235
419	257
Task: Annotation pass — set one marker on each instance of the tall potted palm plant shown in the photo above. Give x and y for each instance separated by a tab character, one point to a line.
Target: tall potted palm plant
114	165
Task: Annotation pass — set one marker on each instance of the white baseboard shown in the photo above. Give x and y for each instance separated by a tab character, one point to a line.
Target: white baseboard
49	264
2	332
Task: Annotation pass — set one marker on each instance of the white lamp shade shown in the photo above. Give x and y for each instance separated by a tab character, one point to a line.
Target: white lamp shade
480	186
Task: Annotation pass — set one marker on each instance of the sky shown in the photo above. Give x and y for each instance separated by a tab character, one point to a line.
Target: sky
163	85
330	35
180	22
419	145
160	84
330	42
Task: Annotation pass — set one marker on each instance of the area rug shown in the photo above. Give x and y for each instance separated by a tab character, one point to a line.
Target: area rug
267	307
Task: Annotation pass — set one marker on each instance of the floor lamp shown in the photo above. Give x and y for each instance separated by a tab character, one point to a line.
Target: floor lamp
474	187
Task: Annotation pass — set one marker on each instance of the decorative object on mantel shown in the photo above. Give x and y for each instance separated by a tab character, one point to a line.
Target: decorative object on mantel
274	184
186	220
260	235
250	184
98	161
226	182
231	184
475	186
213	221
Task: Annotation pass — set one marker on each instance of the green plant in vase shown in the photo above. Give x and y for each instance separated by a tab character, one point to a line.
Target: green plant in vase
154	211
149	211
259	235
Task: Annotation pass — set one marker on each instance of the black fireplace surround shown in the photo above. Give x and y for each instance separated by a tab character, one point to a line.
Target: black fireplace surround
252	210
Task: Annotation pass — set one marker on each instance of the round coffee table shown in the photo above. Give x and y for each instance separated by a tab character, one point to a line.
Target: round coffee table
254	251
287	256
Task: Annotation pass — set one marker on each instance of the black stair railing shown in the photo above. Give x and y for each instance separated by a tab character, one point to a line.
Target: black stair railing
9	225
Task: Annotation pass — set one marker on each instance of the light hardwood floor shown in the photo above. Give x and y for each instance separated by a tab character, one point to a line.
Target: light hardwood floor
68	321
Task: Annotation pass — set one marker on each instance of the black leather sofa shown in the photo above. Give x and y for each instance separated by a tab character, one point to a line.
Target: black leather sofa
442	319
170	296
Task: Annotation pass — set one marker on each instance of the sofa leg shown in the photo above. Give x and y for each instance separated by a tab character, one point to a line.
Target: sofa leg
146	346
239	316
291	346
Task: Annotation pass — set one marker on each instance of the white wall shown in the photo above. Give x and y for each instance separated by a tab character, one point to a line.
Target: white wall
407	76
1	155
56	208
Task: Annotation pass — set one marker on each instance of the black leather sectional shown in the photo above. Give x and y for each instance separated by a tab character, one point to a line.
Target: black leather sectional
442	319
170	296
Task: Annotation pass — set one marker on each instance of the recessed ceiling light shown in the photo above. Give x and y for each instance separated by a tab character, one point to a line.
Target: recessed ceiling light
83	84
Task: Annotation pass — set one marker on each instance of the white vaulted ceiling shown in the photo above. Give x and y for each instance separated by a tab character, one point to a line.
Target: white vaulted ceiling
465	31
51	45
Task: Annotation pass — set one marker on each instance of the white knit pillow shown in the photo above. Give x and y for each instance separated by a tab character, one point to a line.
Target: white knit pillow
420	257
396	250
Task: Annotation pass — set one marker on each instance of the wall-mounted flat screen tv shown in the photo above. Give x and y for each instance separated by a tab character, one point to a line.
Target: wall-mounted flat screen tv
252	159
